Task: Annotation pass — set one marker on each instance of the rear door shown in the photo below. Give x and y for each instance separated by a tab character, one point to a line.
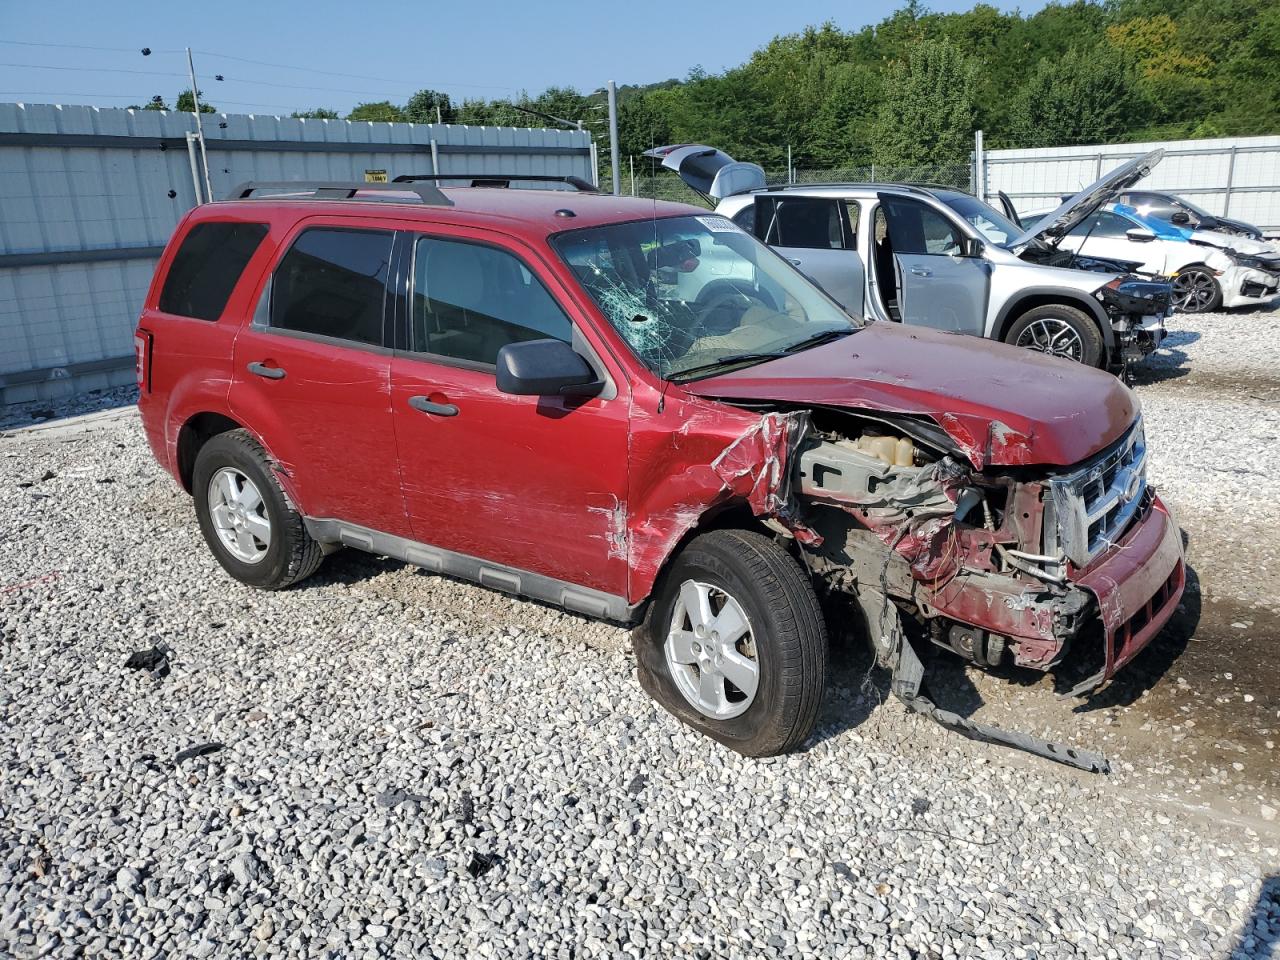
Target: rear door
819	236
312	373
938	285
535	484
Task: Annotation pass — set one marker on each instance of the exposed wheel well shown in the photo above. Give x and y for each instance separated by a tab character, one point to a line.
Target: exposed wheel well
195	433
1047	300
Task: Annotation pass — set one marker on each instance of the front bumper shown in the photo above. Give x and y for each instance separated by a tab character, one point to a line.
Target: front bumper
1133	587
1248	286
1137	583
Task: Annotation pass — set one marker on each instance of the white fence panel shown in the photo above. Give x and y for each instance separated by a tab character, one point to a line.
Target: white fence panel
1234	177
88	198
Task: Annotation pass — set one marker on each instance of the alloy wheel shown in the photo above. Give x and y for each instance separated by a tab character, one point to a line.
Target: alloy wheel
1193	291
711	651
1054	337
239	515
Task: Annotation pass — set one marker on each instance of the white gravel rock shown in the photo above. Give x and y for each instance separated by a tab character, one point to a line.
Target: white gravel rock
414	767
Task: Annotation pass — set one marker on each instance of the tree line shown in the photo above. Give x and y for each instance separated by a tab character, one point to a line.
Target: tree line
912	89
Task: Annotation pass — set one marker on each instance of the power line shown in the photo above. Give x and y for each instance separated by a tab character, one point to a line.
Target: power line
80	46
349	76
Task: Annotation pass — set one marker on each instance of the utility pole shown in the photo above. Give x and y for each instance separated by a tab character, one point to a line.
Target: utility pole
195	99
979	167
613	137
632	161
791	171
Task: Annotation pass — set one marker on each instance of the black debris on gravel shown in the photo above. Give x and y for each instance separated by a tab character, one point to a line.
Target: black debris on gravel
156	660
481	863
638	783
199	750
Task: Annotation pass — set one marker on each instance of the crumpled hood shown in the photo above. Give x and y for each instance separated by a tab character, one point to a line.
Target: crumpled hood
1003	406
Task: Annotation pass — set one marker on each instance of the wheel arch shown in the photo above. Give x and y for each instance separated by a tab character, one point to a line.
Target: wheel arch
198	429
735	514
1034	297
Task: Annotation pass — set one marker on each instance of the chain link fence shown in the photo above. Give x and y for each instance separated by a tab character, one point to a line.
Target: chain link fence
668	186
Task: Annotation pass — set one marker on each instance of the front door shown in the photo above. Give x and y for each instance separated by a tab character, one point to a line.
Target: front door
819	236
312	376
938	284
536	484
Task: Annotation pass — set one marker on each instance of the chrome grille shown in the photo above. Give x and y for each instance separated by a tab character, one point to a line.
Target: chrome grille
1094	504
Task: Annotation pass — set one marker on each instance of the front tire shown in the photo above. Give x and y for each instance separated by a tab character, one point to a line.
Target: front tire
1196	290
247	521
734	643
1060	331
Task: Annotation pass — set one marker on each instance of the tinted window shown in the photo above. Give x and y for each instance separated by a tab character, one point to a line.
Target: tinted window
915	228
470	300
332	283
1153	205
806	222
746	218
207	266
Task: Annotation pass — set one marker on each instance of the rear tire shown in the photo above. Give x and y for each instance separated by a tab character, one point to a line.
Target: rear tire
1196	290
245	516
757	686
1060	331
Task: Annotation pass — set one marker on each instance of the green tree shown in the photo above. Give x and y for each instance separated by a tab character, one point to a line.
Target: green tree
1085	96
381	110
926	112
318	113
422	107
155	103
187	104
642	124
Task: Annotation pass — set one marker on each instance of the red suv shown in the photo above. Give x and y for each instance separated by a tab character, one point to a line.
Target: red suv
636	411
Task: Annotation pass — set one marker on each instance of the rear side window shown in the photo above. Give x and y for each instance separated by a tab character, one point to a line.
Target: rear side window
332	283
807	222
207	267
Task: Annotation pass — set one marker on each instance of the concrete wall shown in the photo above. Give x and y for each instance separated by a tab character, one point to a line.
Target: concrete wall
1233	177
88	198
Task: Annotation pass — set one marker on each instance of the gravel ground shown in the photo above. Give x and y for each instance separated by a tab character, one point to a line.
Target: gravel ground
381	762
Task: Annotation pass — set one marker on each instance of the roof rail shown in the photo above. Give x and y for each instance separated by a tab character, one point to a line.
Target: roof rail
427	193
925	188
500	179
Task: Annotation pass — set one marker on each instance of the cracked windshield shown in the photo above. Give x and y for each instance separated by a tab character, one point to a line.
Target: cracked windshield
694	296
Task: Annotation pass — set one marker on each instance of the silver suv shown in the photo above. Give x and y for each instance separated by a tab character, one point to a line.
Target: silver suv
941	258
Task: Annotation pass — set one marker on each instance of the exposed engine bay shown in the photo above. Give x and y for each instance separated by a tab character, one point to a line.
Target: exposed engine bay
981	563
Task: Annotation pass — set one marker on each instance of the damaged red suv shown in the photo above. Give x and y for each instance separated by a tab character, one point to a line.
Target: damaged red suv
636	411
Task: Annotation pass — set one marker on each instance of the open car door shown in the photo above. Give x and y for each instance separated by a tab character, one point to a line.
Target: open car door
1009	210
941	282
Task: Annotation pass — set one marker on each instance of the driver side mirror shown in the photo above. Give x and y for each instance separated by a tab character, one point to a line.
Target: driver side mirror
1181	218
541	368
1140	235
971	247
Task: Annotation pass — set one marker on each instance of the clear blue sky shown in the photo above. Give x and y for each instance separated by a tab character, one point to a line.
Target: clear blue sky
491	48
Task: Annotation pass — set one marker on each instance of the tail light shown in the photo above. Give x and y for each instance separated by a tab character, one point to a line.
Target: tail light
142	359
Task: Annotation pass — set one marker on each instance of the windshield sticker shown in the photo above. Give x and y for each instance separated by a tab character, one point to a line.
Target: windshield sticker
719	224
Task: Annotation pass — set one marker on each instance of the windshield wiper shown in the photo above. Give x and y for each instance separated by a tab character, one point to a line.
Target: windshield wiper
726	361
826	336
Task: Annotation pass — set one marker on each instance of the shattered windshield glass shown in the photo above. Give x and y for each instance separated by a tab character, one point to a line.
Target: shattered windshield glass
988	221
693	295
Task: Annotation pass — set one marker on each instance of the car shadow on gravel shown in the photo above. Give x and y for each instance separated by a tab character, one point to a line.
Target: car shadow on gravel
19	415
1169	362
1260	933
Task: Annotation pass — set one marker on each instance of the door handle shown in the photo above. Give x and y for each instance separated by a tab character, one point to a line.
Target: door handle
262	370
794	263
428	406
921	272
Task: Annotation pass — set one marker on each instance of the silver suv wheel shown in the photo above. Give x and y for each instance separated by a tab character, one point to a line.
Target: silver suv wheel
1194	291
239	515
711	652
1054	337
